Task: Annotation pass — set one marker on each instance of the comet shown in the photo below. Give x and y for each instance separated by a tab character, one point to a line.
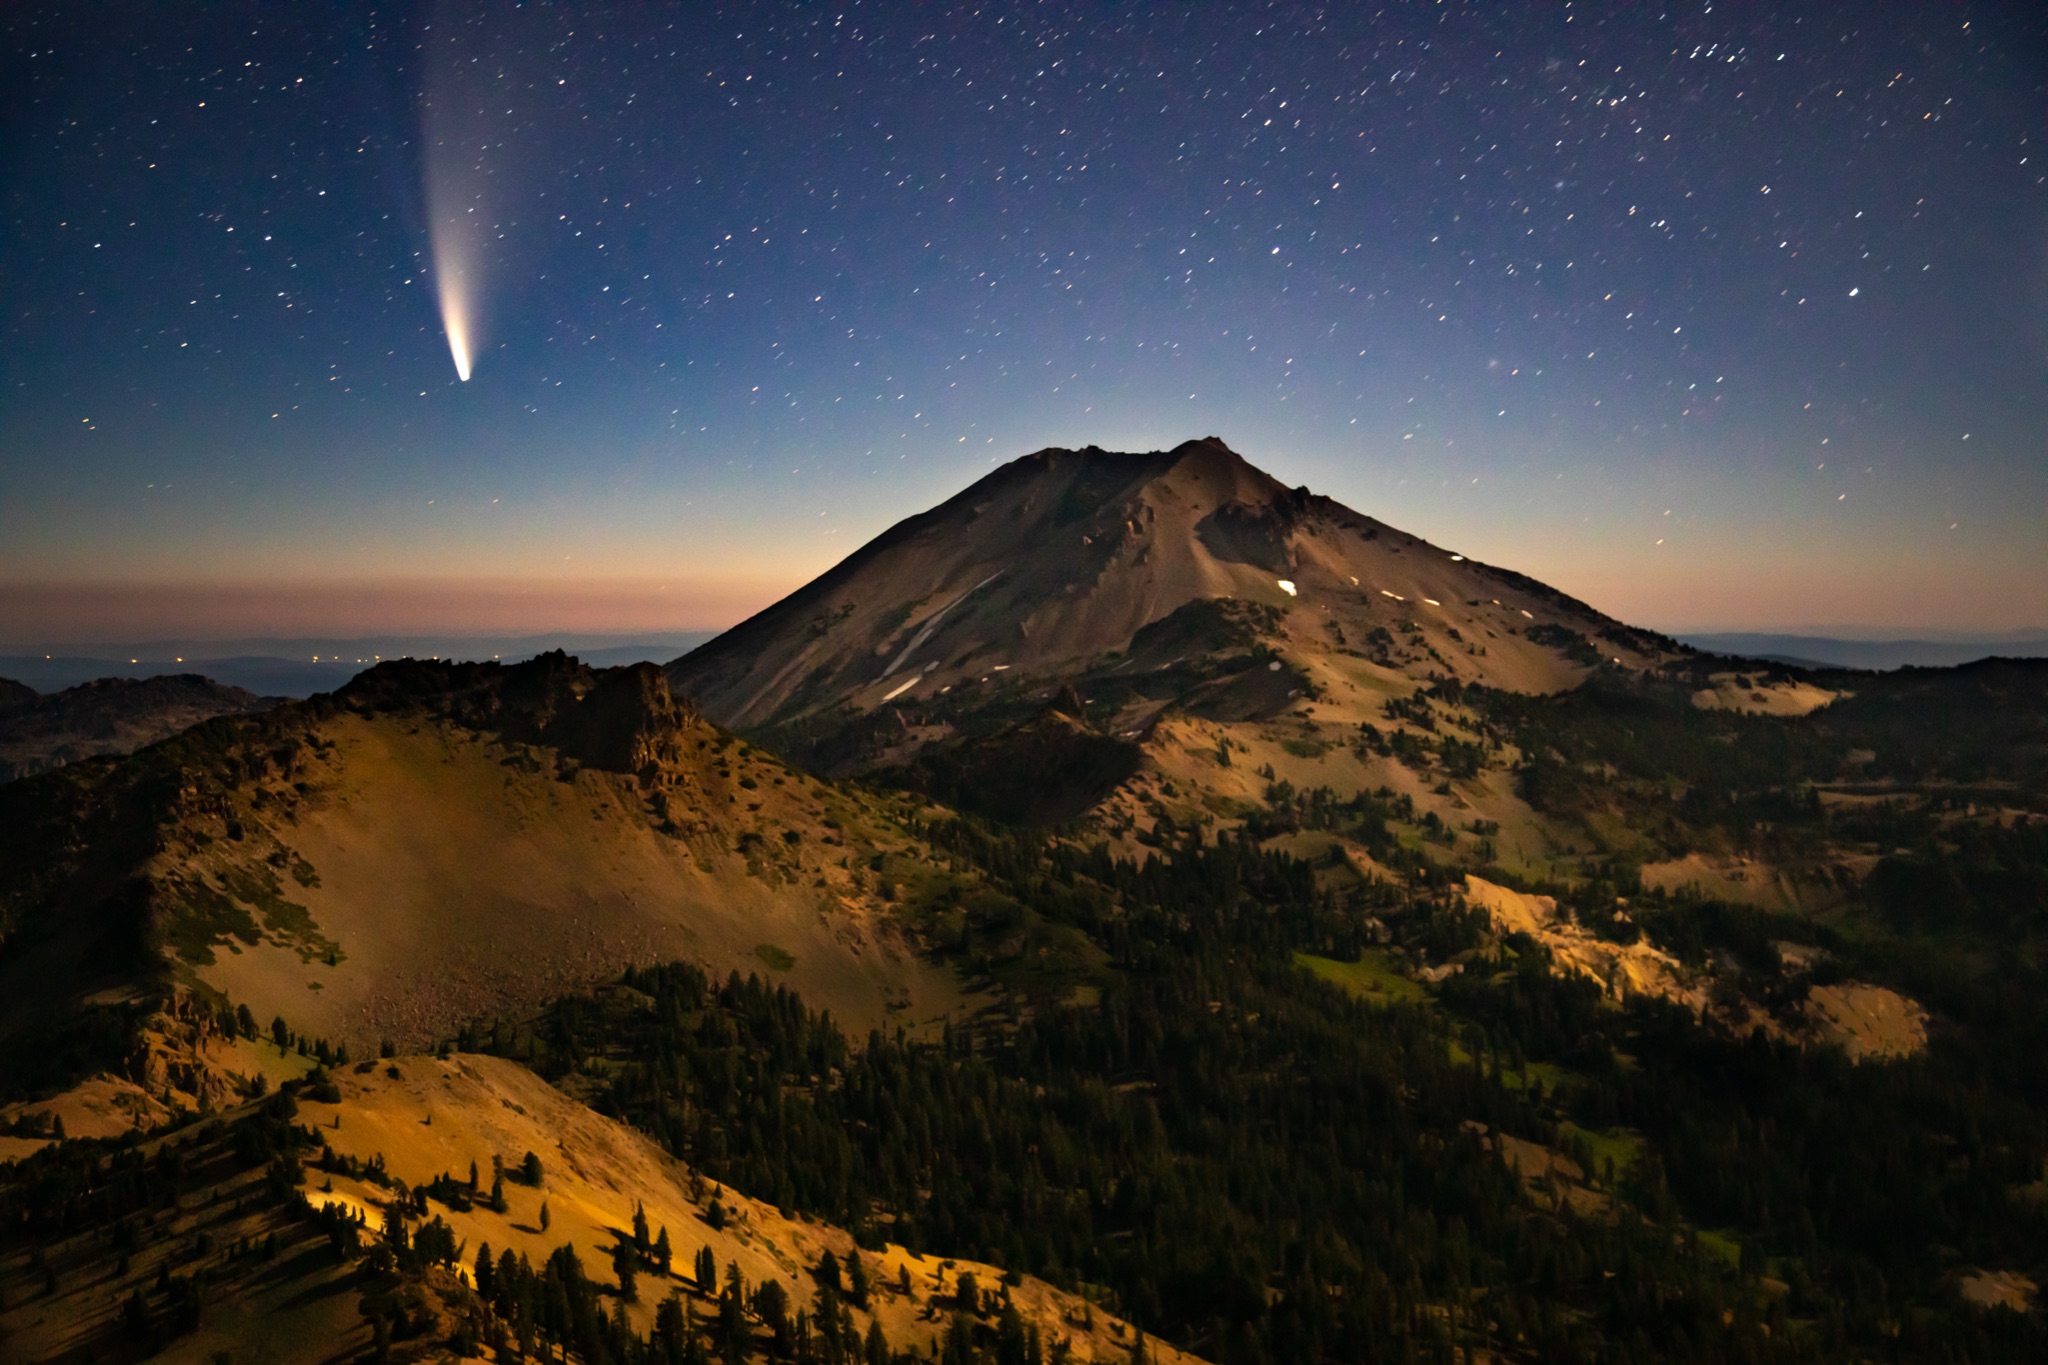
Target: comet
453	208
456	146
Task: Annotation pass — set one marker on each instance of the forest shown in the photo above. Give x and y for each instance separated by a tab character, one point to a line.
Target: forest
1254	1165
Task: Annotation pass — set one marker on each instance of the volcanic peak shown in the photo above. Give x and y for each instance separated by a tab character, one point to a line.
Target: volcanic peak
1050	568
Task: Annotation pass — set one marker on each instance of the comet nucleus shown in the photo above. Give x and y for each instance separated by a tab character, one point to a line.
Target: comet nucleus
450	284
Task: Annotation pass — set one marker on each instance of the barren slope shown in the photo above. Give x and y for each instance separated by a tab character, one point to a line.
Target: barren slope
1052	566
433	845
456	885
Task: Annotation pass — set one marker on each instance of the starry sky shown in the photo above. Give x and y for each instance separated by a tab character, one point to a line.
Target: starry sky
1719	316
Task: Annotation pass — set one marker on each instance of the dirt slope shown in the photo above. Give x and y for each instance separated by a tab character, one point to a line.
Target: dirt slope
454	887
433	845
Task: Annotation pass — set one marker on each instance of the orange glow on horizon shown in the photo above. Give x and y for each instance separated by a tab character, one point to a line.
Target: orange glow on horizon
52	614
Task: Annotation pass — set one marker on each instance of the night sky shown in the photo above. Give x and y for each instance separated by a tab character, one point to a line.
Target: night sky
1718	316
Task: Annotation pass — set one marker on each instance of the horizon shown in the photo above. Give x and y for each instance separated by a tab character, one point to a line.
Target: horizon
464	611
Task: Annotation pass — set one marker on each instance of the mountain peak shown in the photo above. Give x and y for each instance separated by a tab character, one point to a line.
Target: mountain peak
1057	563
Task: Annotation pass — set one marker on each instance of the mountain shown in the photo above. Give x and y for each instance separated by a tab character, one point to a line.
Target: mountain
1072	565
1104	896
106	716
432	844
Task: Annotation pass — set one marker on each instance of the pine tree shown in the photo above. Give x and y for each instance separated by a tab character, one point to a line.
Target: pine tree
734	1340
663	1253
640	1243
671	1328
486	1272
625	1264
771	1306
498	1204
857	1279
959	1347
544	1219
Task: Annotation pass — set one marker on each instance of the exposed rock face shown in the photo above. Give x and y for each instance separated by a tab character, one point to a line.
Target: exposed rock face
1867	1022
1623	970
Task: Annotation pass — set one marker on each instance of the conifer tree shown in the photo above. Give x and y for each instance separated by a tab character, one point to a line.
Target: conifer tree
625	1265
857	1279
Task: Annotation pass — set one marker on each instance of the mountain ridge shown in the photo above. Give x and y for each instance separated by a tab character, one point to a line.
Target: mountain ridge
431	843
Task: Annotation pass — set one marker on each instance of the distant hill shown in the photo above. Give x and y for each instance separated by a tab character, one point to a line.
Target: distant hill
107	716
1820	651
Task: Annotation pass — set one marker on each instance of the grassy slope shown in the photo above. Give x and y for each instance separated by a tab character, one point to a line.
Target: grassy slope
1372	979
